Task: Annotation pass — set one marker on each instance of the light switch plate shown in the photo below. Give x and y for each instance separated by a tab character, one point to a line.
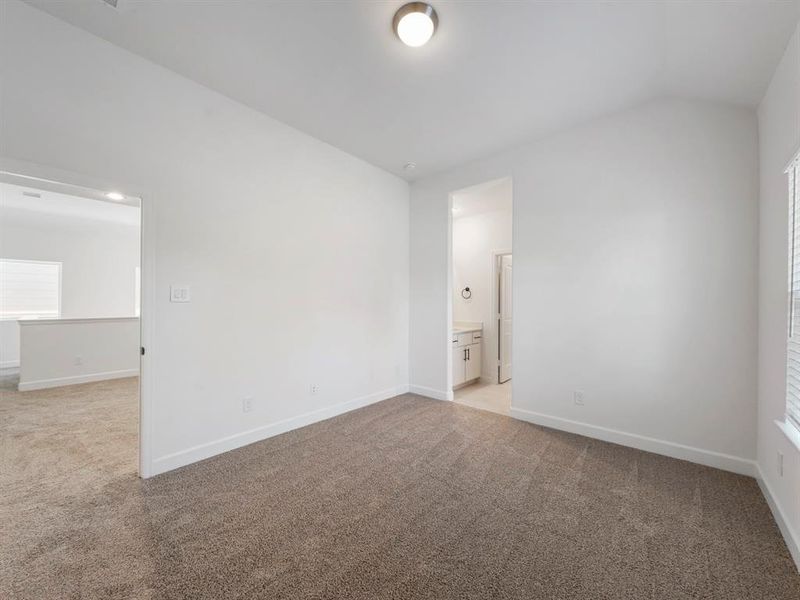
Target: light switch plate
180	293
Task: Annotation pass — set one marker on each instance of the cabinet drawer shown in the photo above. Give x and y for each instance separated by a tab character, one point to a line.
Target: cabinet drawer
464	339
476	337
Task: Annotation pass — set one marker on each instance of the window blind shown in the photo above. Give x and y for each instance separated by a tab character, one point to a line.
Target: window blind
793	345
29	289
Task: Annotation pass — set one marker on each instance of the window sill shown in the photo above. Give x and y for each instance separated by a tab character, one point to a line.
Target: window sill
790	431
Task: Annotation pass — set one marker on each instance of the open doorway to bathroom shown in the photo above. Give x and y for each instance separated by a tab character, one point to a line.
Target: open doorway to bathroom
482	281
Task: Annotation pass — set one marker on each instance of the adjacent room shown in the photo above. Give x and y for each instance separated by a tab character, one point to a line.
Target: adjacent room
378	300
70	283
482	300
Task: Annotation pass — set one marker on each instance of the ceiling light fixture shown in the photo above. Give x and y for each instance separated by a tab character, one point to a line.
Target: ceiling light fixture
410	166
415	23
115	196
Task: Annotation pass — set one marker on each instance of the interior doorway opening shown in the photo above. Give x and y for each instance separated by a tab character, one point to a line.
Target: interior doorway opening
504	282
70	317
481	328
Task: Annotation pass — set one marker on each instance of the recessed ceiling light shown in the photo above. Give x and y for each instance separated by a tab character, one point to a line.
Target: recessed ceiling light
410	166
115	196
415	23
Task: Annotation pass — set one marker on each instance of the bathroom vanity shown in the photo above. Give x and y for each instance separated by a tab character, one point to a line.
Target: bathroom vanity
467	350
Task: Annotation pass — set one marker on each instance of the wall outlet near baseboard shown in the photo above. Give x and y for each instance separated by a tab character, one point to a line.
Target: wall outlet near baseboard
78	361
578	397
313	388
247	404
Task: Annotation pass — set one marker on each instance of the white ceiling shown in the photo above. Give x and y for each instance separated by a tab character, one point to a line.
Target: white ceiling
16	206
494	75
482	198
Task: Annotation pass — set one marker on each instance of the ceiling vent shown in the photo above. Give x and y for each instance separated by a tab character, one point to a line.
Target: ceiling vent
32	194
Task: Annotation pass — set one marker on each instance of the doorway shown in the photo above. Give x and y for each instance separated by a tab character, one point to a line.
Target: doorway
504	317
480	300
71	309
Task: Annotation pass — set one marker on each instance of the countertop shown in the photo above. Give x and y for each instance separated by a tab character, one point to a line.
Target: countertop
464	328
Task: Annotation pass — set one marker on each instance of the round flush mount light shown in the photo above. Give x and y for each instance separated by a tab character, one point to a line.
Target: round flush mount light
115	196
415	23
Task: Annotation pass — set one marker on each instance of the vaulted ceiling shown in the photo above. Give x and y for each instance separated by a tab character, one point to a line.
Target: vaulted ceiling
494	75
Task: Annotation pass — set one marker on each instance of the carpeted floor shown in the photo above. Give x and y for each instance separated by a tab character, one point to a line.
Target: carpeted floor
409	498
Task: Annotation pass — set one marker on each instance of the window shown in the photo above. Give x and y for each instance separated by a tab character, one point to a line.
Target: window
793	345
29	289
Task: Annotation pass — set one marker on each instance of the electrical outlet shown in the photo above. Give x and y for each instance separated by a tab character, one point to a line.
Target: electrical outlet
314	388
78	361
578	398
780	464
247	404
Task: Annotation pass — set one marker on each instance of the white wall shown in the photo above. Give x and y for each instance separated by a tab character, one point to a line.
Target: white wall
98	259
9	345
635	249
779	134
484	229
69	351
296	252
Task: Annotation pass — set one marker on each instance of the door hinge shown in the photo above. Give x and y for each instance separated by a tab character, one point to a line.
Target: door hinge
141	350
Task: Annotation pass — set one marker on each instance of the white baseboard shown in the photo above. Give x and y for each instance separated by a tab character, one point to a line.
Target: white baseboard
207	450
709	458
41	384
790	536
9	364
421	390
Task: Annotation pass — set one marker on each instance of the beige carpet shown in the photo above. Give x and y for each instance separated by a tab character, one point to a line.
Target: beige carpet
408	498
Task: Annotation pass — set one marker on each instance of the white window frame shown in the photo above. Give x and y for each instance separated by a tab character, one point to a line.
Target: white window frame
60	266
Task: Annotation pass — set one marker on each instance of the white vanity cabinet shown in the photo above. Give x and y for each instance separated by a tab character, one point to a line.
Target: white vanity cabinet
459	367
467	346
473	362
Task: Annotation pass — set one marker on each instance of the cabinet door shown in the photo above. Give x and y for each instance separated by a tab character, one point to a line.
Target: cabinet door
459	366
473	362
